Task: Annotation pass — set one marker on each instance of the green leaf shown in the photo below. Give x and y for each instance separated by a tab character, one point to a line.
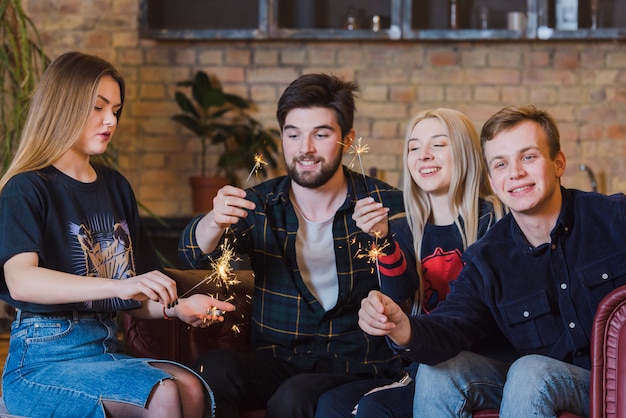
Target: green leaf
237	101
213	97
190	123
185	104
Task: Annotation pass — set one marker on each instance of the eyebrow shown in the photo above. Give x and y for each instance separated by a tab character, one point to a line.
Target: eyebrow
107	101
521	151
315	128
431	137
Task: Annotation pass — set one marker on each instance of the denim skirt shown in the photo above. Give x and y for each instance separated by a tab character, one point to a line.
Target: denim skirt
67	365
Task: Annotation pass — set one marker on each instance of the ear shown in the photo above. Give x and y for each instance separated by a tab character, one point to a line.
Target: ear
560	163
348	140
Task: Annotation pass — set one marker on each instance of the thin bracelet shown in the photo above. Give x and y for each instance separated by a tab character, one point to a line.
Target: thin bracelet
167	318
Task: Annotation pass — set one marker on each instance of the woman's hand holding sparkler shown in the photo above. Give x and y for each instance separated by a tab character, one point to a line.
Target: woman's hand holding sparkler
381	316
154	285
200	310
371	217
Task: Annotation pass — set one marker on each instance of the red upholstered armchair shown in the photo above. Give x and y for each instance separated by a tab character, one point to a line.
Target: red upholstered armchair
174	340
608	357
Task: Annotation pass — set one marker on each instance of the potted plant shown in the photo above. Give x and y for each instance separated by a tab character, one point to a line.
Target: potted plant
219	119
22	61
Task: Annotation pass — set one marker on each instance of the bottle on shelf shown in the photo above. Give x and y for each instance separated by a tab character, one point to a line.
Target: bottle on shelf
567	14
454	14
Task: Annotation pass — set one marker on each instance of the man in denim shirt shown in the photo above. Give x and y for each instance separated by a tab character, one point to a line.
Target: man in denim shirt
305	250
537	275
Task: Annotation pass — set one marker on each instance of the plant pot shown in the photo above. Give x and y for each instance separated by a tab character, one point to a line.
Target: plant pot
203	190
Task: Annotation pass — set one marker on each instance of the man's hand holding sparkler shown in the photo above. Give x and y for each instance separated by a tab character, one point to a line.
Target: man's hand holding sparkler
381	316
371	217
229	205
199	310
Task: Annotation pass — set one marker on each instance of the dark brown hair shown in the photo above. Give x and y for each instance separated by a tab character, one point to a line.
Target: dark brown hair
509	117
320	90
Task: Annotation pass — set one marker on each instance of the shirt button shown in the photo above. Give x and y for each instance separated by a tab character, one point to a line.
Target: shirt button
563	286
566	229
553	246
572	325
526	314
605	276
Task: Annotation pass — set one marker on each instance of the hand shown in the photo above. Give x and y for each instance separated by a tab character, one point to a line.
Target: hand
202	310
229	205
381	316
371	217
153	285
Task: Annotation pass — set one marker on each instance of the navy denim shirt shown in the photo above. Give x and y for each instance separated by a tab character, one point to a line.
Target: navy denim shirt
543	299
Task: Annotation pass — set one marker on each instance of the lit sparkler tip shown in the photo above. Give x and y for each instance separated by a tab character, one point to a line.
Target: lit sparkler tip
259	162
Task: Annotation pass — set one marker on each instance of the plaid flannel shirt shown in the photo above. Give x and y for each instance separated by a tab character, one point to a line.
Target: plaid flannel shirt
287	321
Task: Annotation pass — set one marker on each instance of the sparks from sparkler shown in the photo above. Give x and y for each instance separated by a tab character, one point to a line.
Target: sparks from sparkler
222	273
372	253
259	162
357	149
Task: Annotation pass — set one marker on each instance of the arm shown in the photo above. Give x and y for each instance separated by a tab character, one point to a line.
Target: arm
457	323
398	275
203	234
196	310
28	282
229	205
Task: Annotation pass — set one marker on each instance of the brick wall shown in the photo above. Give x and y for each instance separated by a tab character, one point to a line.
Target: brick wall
583	84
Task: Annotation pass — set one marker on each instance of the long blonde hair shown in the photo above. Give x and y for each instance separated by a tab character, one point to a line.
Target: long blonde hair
59	110
469	183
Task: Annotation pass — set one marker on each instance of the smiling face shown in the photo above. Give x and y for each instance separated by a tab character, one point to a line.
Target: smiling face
312	145
521	171
102	122
429	157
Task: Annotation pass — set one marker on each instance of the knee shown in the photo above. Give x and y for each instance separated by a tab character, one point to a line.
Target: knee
529	371
192	389
165	395
296	387
373	407
294	394
327	403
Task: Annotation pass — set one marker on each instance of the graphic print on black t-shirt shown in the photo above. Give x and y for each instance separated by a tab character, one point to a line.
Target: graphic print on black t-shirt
439	269
103	248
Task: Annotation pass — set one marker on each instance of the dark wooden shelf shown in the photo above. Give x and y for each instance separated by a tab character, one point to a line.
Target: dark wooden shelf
409	20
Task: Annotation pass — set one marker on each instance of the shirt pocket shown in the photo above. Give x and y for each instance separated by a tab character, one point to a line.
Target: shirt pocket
529	321
601	277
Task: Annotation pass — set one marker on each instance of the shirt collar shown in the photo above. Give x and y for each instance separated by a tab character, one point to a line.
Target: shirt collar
563	224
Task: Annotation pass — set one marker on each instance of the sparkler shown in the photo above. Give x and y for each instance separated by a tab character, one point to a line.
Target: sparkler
372	253
258	165
222	273
357	149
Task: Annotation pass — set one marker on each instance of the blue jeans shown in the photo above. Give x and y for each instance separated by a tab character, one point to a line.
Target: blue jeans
532	386
61	366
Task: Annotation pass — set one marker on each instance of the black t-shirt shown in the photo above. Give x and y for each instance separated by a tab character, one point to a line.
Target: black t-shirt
88	229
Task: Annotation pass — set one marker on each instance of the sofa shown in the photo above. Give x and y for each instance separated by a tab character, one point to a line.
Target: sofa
174	340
